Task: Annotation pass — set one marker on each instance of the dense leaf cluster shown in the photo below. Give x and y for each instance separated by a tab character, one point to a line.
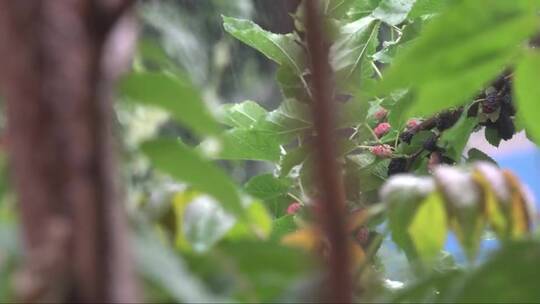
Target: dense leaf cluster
413	79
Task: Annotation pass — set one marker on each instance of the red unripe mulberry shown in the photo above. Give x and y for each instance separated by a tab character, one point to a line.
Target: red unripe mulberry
412	123
381	129
381	114
293	208
383	151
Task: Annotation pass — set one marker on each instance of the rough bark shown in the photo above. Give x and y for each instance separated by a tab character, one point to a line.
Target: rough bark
57	92
328	176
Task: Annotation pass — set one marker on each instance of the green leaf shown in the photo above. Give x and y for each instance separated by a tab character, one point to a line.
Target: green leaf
396	116
339	9
511	275
186	165
464	202
289	119
250	145
428	228
176	96
272	190
390	49
492	136
267	267
361	8
400	217
434	288
150	50
460	51
350	54
283	226
427	7
257	224
527	92
477	155
243	115
205	222
362	160
158	263
393	12
259	136
455	139
353	112
291	85
258	219
281	48
291	159
403	194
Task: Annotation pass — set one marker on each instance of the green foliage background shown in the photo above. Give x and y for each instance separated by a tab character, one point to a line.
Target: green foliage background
216	145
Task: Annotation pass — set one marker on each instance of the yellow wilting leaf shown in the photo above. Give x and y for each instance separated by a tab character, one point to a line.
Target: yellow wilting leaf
311	239
493	206
463	201
307	238
357	219
521	220
179	202
358	254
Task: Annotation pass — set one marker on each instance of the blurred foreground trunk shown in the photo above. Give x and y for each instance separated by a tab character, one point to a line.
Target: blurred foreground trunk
328	174
59	59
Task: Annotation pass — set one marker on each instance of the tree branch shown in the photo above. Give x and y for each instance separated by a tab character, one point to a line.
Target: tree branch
332	195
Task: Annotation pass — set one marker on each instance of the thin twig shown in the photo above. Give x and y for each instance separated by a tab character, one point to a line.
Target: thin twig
377	71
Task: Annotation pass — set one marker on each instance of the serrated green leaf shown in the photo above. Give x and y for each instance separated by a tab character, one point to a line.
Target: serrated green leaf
427	7
176	96
390	49
527	92
338	9
287	121
291	85
243	115
280	48
461	51
250	145
186	165
361	8
283	226
455	139
396	116
428	228
292	158
353	112
350	54
272	190
362	160
261	139
393	12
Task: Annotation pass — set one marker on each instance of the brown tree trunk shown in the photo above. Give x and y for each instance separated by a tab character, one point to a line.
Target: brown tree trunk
57	91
